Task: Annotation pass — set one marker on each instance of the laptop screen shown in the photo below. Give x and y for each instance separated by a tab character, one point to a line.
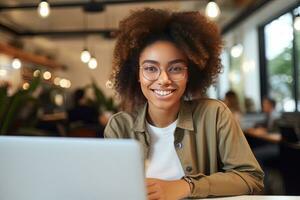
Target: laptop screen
35	168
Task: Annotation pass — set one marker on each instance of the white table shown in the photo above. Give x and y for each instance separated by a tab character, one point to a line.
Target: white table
260	197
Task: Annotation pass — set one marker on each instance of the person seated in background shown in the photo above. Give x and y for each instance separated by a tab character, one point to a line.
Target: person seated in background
249	106
232	102
83	117
192	147
264	139
268	126
81	111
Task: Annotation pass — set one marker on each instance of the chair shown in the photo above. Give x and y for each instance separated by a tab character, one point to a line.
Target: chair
290	158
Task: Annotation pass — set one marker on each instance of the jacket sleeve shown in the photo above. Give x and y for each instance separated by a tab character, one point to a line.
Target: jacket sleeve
240	174
112	128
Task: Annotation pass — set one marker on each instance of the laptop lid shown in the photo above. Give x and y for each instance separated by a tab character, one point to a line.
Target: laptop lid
35	168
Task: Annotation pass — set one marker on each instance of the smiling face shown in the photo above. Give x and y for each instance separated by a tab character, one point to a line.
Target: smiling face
163	93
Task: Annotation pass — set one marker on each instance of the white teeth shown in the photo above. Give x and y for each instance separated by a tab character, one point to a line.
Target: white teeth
163	92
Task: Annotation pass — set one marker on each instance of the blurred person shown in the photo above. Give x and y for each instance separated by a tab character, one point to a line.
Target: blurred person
232	102
269	125
81	111
249	105
264	139
84	117
192	147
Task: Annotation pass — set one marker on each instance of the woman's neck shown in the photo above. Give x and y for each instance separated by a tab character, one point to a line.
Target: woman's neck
162	117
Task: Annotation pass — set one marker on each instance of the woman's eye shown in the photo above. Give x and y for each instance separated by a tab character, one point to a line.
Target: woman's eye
176	69
150	69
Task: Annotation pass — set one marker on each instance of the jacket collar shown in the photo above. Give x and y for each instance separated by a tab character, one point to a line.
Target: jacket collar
139	124
185	118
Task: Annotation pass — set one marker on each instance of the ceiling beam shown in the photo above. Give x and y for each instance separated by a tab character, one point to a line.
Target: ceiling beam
8	29
28	57
75	4
107	33
247	12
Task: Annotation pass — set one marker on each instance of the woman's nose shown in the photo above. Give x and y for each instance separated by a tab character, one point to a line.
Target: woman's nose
164	78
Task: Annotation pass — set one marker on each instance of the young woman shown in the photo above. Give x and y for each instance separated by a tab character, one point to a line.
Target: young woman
192	146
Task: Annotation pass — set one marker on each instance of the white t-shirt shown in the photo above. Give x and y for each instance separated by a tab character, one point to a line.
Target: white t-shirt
163	162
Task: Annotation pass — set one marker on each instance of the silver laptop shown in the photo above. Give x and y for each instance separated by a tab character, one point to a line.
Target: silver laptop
40	168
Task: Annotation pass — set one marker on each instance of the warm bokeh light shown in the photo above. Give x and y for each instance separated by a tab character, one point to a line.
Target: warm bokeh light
47	75
85	56
65	83
212	10
16	63
109	84
236	50
3	72
93	63
59	99
297	23
25	86
36	73
44	9
57	81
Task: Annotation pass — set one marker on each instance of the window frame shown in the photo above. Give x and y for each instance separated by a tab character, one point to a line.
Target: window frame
264	84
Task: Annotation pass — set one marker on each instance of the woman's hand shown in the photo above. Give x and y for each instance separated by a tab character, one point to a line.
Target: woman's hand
167	190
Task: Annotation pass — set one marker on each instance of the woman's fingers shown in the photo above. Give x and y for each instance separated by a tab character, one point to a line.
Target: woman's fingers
153	189
154	196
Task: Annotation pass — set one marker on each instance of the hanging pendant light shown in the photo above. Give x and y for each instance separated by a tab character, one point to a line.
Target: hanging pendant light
85	55
212	10
44	8
93	63
16	63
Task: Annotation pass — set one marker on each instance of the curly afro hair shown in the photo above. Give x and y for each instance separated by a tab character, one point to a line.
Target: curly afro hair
192	32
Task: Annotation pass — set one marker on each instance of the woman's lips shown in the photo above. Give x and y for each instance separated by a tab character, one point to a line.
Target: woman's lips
163	93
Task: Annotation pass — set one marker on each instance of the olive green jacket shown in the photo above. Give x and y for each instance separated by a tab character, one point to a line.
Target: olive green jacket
209	143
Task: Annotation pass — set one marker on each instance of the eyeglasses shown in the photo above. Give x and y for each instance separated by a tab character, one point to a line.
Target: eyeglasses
175	73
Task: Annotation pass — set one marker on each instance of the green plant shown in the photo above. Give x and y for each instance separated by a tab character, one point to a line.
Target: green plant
102	102
10	106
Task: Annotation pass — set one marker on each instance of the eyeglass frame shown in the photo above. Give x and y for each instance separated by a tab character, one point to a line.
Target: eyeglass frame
160	70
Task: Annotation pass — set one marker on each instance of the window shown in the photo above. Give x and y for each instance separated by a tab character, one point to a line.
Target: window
281	52
297	51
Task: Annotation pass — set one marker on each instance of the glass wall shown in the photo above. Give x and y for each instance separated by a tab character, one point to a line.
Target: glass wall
279	44
282	39
297	42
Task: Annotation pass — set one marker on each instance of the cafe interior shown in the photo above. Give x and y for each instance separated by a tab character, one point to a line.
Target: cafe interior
56	61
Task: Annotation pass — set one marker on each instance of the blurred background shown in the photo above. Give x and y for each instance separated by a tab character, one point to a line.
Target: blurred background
56	58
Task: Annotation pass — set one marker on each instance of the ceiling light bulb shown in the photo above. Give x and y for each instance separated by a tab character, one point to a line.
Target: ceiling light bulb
85	56
47	75
44	9
68	84
212	10
236	50
109	84
57	81
297	23
93	63
16	63
25	86
65	83
36	73
62	82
